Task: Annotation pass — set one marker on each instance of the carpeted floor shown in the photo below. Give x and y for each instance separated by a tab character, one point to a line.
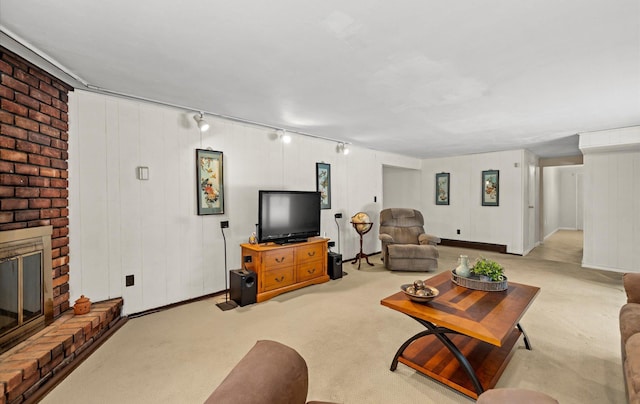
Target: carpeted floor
348	340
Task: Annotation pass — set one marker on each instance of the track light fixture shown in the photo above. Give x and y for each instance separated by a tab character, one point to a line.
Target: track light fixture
202	124
284	136
342	148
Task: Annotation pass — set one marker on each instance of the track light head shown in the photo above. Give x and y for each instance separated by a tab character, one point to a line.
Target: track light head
284	136
202	124
342	148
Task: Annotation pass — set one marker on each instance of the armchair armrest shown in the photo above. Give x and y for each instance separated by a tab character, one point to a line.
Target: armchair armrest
428	239
385	238
631	282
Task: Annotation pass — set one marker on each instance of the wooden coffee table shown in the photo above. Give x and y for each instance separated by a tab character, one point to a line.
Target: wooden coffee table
470	334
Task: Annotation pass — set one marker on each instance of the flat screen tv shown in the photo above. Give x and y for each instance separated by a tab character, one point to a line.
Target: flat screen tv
288	216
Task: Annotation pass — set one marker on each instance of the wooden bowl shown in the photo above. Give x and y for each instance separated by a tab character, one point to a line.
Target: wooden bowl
82	306
433	292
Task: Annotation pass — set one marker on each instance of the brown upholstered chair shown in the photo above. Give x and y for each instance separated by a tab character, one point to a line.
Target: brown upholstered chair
270	373
405	245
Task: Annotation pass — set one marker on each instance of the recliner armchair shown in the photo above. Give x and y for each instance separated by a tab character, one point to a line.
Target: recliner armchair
405	245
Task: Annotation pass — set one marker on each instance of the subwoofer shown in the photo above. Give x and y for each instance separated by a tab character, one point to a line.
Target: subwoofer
334	265
243	286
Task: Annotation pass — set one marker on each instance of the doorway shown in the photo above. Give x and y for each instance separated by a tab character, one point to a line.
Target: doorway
561	220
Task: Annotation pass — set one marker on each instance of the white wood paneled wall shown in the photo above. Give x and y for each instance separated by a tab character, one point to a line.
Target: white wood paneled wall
122	226
503	224
612	211
611	192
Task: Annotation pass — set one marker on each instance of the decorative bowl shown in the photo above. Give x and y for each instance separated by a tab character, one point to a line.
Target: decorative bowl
433	292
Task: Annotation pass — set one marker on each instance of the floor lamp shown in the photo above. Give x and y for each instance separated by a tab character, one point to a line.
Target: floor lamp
227	304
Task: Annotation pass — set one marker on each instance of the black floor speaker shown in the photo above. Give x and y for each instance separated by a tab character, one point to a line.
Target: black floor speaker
243	285
334	265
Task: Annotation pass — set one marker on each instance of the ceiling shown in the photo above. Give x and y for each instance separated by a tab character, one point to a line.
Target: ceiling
422	78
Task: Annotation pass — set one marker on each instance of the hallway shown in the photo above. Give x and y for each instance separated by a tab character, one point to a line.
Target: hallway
562	246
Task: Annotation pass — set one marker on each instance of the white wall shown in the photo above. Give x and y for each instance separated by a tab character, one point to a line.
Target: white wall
503	224
551	196
401	188
612	199
563	198
121	226
570	197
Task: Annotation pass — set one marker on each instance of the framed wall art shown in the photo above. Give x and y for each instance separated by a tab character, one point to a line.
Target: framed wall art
323	184
209	182
442	189
490	188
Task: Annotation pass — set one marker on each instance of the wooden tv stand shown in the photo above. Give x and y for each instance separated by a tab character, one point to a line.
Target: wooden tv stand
282	268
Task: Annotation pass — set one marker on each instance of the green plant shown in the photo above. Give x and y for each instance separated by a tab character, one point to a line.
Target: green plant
487	267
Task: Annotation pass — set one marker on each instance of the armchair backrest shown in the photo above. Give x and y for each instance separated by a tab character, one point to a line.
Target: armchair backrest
403	225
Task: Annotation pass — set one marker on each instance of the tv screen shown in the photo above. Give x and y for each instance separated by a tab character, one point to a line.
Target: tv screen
288	216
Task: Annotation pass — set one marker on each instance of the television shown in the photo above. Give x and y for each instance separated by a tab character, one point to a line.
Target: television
288	216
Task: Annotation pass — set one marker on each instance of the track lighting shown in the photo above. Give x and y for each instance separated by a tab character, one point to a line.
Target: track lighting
284	136
202	124
342	148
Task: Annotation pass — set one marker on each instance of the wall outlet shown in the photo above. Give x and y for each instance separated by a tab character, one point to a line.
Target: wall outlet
458	231
338	215
224	224
332	244
247	258
129	280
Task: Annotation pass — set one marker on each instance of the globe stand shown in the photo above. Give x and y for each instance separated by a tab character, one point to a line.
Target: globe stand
361	232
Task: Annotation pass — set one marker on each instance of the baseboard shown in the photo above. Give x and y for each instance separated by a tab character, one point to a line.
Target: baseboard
499	248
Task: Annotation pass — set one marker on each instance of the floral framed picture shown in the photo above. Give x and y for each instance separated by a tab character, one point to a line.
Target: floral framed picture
490	188
210	185
442	189
323	184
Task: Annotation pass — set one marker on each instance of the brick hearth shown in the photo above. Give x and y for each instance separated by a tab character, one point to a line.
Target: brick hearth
36	364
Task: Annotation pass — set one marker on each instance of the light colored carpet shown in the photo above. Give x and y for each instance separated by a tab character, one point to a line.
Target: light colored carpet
563	246
348	340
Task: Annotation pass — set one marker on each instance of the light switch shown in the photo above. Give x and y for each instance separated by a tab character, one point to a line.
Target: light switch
143	173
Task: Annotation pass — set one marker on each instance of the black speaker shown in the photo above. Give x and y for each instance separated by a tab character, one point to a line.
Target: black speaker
243	286
334	265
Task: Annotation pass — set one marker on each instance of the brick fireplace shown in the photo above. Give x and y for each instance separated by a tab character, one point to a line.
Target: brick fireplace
33	161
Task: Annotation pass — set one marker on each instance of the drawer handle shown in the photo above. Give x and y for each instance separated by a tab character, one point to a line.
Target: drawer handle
311	254
280	279
310	271
280	260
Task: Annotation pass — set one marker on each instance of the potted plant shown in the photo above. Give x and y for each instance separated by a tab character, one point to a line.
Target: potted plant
490	269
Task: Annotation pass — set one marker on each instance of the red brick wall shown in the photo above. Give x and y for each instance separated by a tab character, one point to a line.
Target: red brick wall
33	160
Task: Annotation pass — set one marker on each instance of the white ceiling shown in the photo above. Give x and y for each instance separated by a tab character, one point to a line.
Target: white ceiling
423	78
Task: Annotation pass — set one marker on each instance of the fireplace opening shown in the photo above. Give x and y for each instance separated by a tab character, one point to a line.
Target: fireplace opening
26	301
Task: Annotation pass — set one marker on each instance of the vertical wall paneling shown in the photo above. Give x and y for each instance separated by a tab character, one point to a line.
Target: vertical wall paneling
611	213
173	141
501	224
153	204
112	182
93	206
75	218
130	202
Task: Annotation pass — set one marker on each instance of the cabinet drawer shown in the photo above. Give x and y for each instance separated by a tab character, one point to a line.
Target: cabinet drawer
278	258
309	270
309	253
276	278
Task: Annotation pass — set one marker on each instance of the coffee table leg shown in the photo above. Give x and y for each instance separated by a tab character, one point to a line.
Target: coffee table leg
394	363
440	332
526	339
